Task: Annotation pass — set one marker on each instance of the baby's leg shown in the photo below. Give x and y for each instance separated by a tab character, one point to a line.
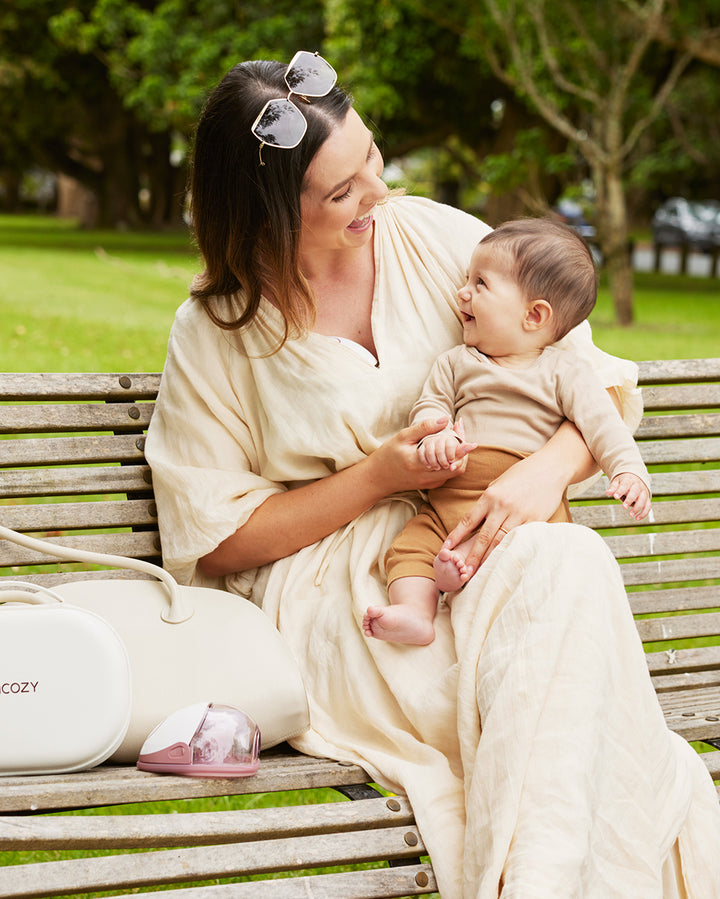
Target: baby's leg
450	569
409	617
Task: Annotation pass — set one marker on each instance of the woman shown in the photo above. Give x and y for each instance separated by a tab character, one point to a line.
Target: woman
283	470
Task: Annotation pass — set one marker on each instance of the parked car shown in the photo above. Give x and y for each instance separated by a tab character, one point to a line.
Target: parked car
693	222
572	214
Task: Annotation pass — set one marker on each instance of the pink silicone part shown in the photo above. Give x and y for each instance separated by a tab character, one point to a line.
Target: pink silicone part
223	771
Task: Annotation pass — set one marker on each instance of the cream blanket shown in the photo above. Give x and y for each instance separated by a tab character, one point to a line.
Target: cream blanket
573	787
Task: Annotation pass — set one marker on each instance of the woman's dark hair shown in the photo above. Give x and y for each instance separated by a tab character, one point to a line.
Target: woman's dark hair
548	260
246	217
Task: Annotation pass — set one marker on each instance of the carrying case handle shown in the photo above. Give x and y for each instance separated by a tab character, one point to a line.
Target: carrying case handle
21	591
178	610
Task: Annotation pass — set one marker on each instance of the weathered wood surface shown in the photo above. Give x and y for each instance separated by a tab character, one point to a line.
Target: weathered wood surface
669	371
201	828
138	545
42	482
106	785
208	862
58	386
90	417
81	515
411	880
72	450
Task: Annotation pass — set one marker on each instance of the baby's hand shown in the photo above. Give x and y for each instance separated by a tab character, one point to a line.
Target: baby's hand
632	493
445	449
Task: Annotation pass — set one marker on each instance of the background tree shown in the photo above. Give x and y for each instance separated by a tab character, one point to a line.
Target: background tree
422	85
593	85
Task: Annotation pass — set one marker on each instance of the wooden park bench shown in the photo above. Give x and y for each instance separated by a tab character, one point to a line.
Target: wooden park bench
72	469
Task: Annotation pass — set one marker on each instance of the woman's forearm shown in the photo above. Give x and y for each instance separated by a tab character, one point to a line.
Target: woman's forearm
566	456
287	521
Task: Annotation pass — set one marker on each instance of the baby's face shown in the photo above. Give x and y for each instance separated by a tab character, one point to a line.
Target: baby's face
491	304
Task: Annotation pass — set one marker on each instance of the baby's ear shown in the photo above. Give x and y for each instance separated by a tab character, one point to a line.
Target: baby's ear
538	315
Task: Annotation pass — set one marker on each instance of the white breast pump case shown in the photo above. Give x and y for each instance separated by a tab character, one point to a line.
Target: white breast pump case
65	687
185	645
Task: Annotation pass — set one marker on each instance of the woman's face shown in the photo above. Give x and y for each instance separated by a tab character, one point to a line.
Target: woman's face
341	189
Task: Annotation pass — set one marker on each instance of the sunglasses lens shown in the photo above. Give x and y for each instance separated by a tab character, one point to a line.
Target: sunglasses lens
310	75
280	124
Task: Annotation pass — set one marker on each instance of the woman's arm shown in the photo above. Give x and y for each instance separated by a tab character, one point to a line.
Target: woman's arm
286	522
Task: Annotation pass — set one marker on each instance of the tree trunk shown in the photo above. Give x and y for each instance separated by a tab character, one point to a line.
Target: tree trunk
613	228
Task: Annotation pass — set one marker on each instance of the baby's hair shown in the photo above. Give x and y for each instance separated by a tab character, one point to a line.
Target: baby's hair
550	261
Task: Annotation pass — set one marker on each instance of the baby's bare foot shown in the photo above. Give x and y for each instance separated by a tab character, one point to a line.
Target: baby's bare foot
398	624
451	572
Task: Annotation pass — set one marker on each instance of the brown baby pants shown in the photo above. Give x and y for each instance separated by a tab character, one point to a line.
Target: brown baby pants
413	550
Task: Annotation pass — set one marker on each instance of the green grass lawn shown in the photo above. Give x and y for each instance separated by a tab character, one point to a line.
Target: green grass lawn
73	300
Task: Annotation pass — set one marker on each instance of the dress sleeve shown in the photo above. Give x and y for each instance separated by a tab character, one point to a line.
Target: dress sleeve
206	475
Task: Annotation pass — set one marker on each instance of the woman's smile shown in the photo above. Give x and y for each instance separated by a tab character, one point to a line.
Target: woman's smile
361	224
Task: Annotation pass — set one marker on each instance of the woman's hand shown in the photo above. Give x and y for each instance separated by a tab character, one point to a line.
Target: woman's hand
286	522
398	465
530	490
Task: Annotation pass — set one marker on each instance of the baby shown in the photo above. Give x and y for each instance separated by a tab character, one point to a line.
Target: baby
530	282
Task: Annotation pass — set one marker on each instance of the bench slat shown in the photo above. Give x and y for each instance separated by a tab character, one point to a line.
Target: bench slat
59	386
675	661
678	426
667	452
679	627
712	762
200	828
94	417
673	483
686	680
664	543
234	859
674	599
137	544
612	514
72	450
681	396
43	482
670	571
694	714
380	883
280	770
76	516
669	370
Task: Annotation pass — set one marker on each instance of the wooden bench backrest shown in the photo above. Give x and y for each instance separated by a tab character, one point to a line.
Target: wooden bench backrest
70	438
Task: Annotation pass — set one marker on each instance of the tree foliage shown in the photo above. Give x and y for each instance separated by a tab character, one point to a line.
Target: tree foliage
600	75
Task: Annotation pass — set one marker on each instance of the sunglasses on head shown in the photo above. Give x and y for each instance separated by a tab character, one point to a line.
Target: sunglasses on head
280	123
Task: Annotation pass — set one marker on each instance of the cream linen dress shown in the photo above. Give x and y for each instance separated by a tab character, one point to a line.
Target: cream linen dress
527	736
